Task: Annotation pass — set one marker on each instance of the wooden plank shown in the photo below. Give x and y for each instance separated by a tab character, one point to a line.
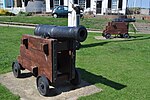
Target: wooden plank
34	55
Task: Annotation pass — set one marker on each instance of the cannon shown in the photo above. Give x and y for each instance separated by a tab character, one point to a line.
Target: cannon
116	28
61	32
50	55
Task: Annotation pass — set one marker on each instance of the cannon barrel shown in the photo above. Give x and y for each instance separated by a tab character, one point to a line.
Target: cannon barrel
61	32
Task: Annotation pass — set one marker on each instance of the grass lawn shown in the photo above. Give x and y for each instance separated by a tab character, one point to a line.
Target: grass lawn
9	46
119	67
143	21
5	94
94	23
9	49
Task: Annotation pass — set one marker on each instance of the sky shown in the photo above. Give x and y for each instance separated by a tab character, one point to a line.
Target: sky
139	3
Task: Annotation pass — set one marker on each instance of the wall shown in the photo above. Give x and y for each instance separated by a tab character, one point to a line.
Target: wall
93	6
48	6
8	3
2	3
15	10
145	11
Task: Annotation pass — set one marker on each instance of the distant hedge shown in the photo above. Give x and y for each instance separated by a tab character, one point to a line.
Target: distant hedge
24	14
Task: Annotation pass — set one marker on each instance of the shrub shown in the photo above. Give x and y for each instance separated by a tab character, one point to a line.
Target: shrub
3	12
21	13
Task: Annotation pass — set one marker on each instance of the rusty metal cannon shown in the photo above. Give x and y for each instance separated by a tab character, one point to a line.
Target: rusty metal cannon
50	55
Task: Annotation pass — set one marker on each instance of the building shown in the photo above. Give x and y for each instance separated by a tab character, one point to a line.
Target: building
14	6
97	6
6	4
2	4
100	7
145	11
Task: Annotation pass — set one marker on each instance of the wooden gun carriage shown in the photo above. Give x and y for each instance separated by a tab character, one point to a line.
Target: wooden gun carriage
116	28
50	57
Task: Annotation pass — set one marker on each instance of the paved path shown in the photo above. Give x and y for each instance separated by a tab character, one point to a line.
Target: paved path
26	88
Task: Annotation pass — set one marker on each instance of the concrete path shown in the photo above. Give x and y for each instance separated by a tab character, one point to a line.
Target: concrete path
26	88
112	38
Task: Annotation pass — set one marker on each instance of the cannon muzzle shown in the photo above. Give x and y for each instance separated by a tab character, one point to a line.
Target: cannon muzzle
61	32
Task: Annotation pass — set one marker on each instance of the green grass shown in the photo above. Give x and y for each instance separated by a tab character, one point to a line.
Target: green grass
5	94
9	46
119	67
94	23
143	21
131	28
35	20
9	49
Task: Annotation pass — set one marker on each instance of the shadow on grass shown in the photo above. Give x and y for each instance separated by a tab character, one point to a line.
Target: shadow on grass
133	38
93	79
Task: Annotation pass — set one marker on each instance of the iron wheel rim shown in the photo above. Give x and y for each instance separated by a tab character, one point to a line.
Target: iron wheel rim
16	70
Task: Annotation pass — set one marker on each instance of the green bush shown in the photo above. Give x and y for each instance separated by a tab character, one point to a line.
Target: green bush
21	13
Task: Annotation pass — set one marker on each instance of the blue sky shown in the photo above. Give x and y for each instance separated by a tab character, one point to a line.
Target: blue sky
139	3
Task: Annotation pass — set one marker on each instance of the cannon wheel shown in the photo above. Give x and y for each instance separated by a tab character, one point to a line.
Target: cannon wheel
126	35
108	35
77	80
16	68
55	15
42	85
